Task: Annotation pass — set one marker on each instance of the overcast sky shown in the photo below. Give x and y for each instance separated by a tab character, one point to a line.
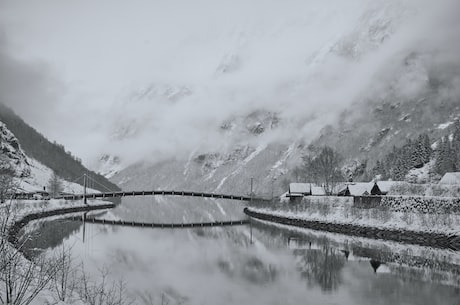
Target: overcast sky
76	69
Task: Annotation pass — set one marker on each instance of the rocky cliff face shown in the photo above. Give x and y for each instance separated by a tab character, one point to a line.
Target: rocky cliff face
12	156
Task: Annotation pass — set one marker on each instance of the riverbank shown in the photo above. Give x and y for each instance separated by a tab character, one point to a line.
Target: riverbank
418	262
52	210
338	215
33	276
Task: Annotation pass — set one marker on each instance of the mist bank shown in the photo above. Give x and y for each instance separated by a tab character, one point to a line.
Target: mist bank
165	85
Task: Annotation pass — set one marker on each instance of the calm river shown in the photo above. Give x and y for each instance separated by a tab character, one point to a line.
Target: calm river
253	264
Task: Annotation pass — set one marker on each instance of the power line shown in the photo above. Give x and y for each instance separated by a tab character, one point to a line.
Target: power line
100	184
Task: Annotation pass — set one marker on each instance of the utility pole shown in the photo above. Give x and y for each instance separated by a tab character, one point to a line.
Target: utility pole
273	183
250	229
252	193
84	226
84	189
250	220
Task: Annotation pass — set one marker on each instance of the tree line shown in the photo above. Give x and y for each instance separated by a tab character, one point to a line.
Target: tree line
415	154
397	163
448	152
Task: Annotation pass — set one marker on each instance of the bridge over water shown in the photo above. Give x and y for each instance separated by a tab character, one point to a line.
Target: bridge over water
111	194
158	193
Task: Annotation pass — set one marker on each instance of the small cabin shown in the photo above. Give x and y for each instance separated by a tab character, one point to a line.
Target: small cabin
318	191
356	189
452	178
383	187
299	189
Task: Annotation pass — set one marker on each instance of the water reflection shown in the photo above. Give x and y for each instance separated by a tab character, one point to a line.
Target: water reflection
320	264
441	266
282	266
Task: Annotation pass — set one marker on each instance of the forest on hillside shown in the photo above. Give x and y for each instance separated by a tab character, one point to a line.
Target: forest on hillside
417	153
442	155
53	155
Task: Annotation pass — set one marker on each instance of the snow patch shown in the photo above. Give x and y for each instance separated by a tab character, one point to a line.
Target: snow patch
286	155
445	125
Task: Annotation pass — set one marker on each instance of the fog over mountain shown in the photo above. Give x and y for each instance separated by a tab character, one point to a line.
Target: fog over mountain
155	79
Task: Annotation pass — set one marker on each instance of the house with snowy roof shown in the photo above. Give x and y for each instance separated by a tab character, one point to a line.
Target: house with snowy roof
356	189
318	191
383	187
450	178
299	189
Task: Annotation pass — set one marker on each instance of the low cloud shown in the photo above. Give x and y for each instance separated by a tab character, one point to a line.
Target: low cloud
161	83
27	87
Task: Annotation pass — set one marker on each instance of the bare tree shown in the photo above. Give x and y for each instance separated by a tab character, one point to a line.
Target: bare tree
55	185
64	282
7	210
7	183
103	291
22	279
324	168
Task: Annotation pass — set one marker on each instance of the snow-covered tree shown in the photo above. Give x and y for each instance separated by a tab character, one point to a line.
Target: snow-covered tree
445	160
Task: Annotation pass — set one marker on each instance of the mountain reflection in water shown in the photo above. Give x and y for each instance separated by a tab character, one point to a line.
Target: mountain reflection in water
281	266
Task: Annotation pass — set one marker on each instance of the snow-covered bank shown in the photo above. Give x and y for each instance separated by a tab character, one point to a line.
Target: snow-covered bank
339	212
21	208
438	240
34	276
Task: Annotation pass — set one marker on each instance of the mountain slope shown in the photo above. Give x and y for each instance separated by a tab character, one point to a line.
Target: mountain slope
51	155
390	74
371	132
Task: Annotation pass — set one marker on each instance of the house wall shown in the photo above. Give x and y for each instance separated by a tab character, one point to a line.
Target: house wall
367	202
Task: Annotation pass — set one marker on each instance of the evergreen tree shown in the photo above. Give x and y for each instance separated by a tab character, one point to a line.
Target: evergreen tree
427	152
379	170
397	164
445	161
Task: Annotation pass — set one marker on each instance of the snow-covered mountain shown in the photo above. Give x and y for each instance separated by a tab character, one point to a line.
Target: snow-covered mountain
40	156
30	174
376	74
108	165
